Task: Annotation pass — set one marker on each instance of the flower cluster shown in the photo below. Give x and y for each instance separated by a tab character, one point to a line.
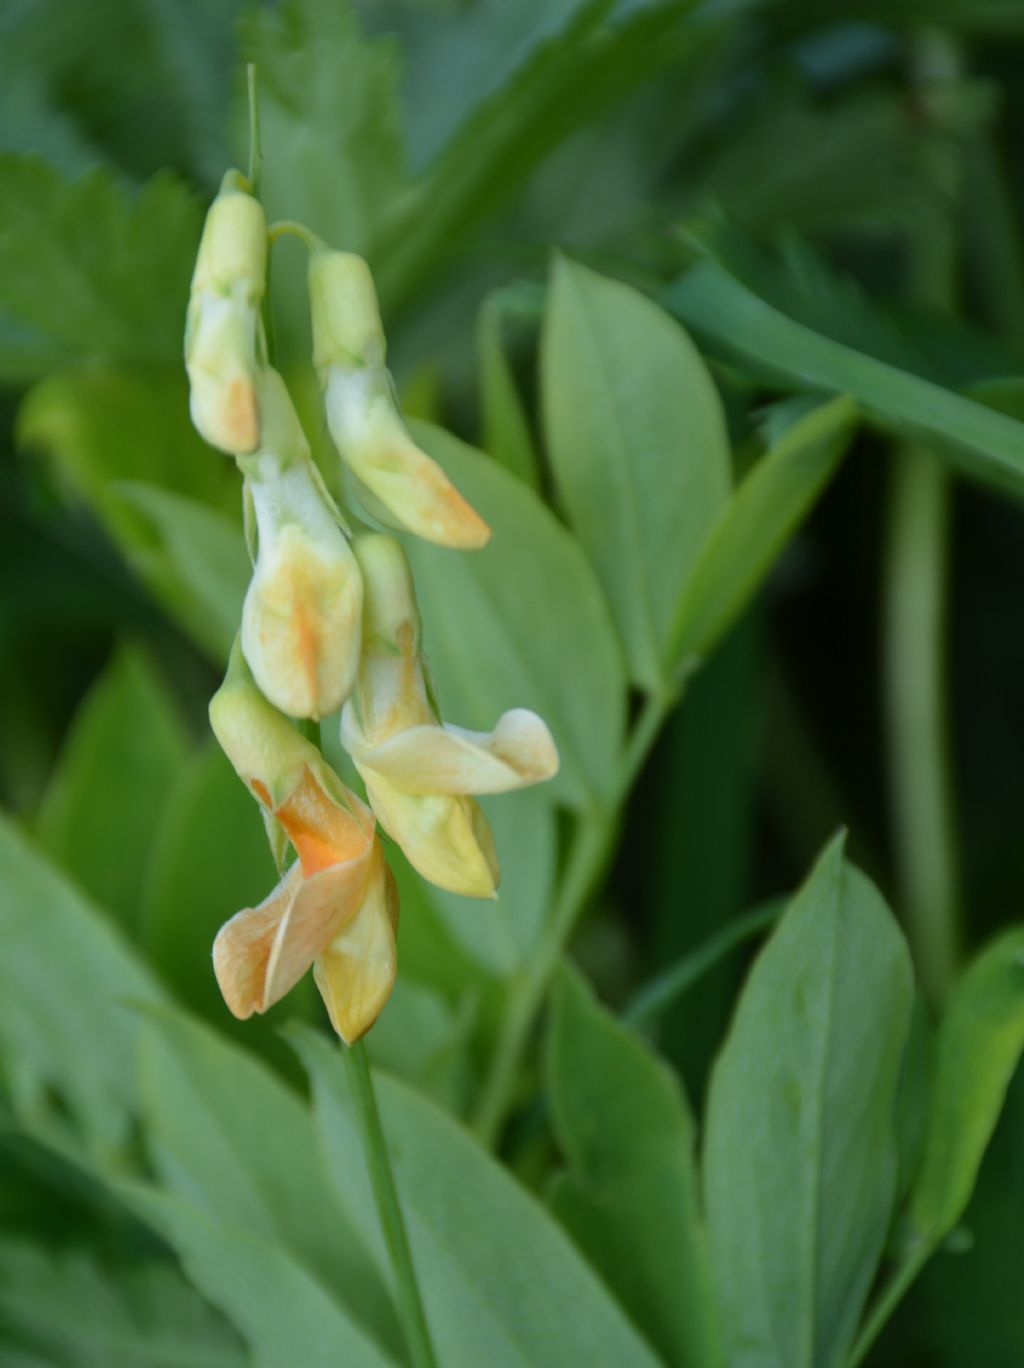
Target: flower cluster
330	622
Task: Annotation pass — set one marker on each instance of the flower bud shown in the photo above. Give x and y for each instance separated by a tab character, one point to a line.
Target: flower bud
223	334
301	621
401	484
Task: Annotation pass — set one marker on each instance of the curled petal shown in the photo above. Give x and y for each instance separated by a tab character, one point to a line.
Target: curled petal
449	760
445	837
412	489
262	952
356	971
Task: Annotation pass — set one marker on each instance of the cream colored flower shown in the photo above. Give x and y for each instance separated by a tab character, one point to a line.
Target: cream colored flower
419	773
223	334
335	910
401	485
301	621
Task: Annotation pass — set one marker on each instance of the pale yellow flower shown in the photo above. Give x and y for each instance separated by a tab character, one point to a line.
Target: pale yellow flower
335	909
400	484
420	773
223	333
301	621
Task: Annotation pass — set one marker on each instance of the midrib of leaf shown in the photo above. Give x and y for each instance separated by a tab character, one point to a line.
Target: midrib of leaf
633	519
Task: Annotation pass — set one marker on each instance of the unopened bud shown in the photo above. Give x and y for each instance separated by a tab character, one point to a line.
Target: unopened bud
223	332
405	487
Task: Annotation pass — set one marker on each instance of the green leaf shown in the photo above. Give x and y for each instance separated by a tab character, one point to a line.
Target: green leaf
77	1312
979	1044
420	1038
629	1197
286	1316
755	525
199	569
104	802
505	427
65	980
223	1131
209	859
500	935
983	444
97	272
637	441
522	624
501	1282
801	1150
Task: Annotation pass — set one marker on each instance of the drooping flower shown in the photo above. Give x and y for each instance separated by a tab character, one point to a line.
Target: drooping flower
223	333
335	909
399	483
301	621
420	773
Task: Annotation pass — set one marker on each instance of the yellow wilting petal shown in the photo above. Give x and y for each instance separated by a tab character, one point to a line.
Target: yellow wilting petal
446	838
356	971
243	946
408	488
223	331
435	759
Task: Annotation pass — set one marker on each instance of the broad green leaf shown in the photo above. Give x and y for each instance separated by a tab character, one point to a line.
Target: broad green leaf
801	1152
501	1282
522	624
505	427
103	806
755	524
209	859
286	1315
99	273
78	1312
979	1044
982	443
500	935
629	1196
65	1027
420	1038
199	570
637	441
223	1131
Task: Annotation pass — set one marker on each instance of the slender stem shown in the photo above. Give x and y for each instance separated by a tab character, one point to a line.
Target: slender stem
284	227
587	856
921	784
382	1180
886	1304
255	147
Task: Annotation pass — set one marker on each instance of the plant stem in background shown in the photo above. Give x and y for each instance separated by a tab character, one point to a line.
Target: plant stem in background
921	785
382	1180
255	146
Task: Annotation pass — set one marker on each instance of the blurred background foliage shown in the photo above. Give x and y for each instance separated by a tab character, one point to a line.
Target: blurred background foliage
856	167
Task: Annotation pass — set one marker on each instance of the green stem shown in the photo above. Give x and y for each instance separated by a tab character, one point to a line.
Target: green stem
887	1302
382	1180
255	146
587	856
921	785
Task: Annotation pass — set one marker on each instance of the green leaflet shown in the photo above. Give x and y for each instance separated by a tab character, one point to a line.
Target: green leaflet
501	1283
637	441
979	1043
806	1082
756	524
629	1194
225	1132
65	980
523	625
104	802
505	427
980	442
76	1310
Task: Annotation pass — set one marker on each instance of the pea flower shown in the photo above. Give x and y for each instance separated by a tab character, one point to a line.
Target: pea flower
399	483
419	773
302	615
336	908
223	334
